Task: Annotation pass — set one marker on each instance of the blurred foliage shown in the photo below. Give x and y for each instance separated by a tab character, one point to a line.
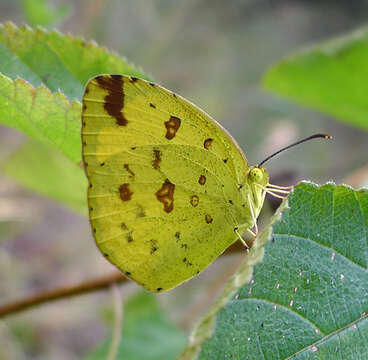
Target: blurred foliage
41	12
57	62
147	333
332	77
49	173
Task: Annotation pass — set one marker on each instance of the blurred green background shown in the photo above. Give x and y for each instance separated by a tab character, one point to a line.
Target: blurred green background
212	52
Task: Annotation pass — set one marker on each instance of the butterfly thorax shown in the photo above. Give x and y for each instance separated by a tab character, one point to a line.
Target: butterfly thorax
257	181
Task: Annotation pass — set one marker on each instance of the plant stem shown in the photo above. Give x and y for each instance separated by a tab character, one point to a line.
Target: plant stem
96	284
118	323
99	283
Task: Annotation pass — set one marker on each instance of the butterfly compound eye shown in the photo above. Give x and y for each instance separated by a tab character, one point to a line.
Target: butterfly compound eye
256	175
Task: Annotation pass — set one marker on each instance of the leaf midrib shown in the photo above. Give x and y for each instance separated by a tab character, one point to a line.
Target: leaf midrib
326	337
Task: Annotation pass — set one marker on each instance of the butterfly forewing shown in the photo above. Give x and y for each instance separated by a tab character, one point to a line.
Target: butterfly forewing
163	181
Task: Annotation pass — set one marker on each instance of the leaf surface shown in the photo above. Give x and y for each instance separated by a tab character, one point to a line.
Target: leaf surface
42	76
331	77
309	297
46	171
147	333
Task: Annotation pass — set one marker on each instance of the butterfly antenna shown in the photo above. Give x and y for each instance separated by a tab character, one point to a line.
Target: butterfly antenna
315	136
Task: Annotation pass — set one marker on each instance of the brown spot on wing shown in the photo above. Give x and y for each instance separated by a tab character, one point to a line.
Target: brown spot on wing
154	247
140	211
125	193
202	180
207	143
194	200
114	100
153	106
127	168
186	262
208	219
133	79
172	126
128	232
156	159
166	195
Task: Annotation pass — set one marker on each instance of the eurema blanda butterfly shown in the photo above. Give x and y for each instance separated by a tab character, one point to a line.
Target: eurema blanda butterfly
169	188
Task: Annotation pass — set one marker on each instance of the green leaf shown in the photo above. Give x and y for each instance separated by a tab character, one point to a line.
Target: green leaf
40	12
309	298
48	172
243	275
59	62
44	116
147	333
56	60
33	64
332	77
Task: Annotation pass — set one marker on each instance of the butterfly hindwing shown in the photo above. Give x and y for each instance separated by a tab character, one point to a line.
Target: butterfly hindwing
163	181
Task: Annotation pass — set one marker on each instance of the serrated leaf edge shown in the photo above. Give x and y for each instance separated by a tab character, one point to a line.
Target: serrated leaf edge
59	34
206	325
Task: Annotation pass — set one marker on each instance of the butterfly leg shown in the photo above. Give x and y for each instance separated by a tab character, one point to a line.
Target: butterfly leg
280	187
252	232
253	218
280	192
277	191
241	238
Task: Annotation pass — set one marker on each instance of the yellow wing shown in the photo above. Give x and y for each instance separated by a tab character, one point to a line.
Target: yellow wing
164	181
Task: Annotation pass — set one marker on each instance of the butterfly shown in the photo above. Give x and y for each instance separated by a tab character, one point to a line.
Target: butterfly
169	187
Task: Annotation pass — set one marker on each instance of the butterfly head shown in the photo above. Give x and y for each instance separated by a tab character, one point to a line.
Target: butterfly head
258	176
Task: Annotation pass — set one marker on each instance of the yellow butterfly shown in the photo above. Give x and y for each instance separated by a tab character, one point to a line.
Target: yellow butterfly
169	188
